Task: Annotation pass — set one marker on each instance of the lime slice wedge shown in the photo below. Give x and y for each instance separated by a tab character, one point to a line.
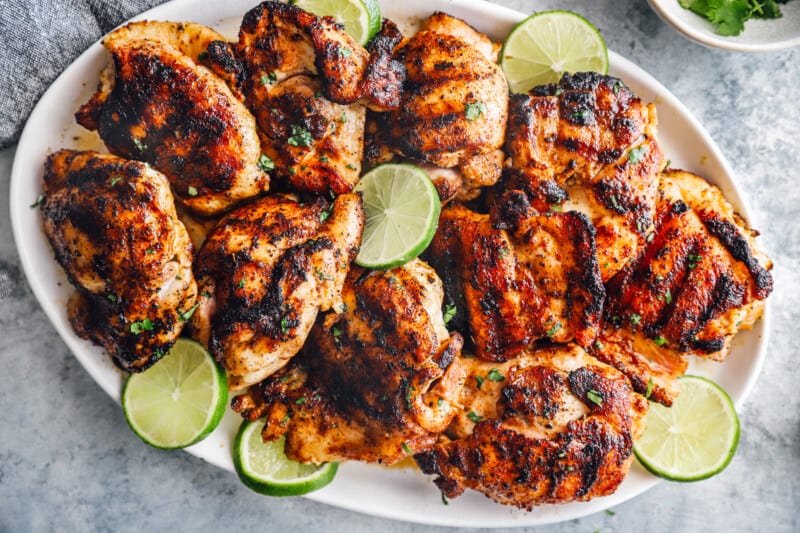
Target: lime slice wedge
264	467
695	438
402	211
544	46
179	400
361	18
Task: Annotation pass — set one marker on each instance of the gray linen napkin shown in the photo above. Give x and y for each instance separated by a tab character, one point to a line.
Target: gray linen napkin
40	39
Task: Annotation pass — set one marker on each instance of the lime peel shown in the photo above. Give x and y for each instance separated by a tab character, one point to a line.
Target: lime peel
264	467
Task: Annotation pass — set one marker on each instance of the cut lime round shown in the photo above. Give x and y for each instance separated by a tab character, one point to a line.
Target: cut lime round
361	18
544	46
264	467
179	400
695	438
402	211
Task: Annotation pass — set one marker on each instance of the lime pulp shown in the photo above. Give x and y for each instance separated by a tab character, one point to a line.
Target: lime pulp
179	400
694	439
544	46
402	209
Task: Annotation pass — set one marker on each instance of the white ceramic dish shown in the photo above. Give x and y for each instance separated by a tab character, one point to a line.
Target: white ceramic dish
399	493
758	35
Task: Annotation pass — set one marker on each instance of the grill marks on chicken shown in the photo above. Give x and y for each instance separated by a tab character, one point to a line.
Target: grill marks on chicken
524	277
376	382
589	144
114	230
552	425
455	103
698	282
268	268
156	104
303	77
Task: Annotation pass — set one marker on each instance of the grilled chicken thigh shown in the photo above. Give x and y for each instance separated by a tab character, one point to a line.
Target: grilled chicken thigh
589	144
455	103
156	104
376	383
303	77
113	227
522	277
552	425
699	280
265	272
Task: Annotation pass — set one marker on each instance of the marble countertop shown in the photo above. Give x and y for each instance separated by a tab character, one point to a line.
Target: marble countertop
56	474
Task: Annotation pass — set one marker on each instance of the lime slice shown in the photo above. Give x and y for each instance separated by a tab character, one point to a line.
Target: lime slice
544	46
177	401
361	18
402	211
264	467
695	438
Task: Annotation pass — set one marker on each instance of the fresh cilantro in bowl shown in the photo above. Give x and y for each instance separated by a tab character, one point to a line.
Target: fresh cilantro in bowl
729	16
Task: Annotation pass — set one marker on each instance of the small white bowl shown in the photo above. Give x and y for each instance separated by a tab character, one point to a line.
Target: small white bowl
758	35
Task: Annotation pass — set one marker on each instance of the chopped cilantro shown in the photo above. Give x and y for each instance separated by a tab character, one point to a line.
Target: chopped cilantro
141	325
475	417
186	315
637	154
479	380
449	312
552	331
649	390
660	341
265	163
595	397
192	190
268	79
475	109
495	375
300	136
38	202
406	448
323	216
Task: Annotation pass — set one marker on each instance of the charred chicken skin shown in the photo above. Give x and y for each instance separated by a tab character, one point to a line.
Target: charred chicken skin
455	104
113	227
588	144
377	382
519	278
551	425
264	272
156	104
303	77
699	280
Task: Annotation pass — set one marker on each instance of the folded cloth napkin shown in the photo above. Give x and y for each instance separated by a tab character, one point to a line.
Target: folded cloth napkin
40	39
